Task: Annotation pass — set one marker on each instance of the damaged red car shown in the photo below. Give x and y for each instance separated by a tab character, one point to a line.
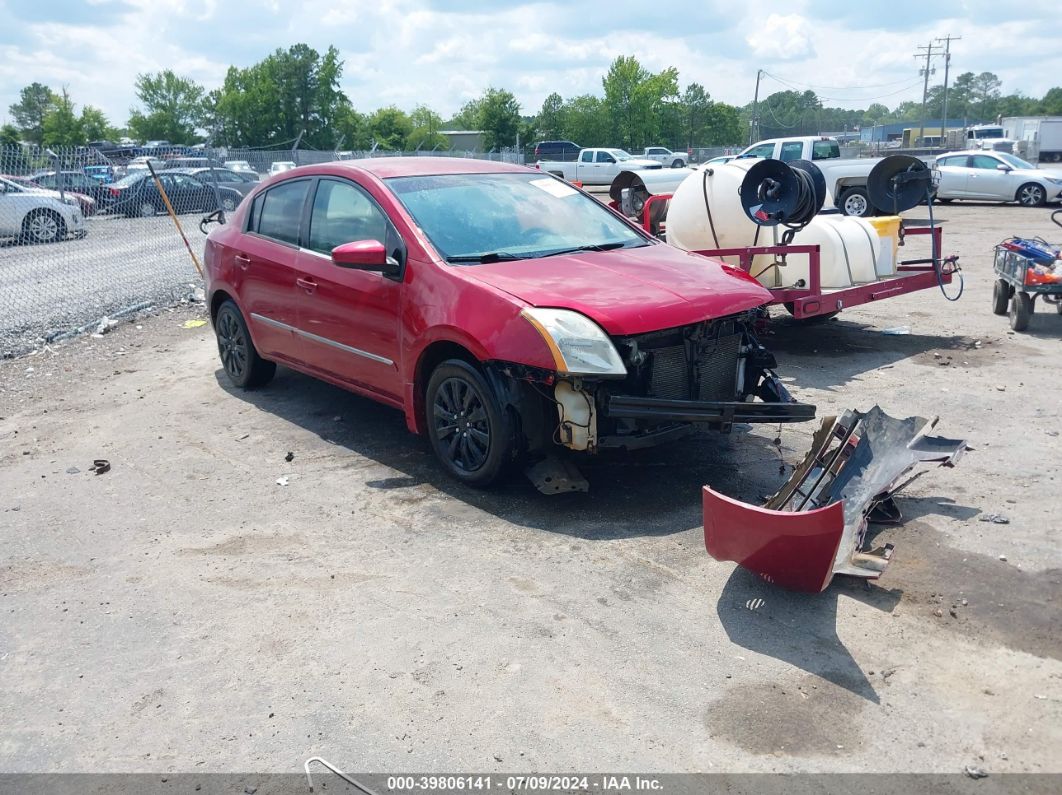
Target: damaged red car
505	312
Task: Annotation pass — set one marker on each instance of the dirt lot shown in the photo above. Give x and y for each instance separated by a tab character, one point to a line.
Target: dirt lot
185	612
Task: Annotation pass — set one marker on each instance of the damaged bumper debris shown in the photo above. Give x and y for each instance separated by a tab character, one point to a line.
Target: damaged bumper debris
816	525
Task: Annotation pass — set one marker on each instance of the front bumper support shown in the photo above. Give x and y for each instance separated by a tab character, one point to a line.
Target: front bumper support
716	412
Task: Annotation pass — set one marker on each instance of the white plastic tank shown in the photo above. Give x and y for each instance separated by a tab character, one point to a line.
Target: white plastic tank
849	247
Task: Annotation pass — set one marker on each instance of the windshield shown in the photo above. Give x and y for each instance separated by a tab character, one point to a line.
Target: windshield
990	132
619	154
508	216
130	179
1014	160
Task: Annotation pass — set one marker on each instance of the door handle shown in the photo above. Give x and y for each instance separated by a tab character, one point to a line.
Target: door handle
309	285
242	260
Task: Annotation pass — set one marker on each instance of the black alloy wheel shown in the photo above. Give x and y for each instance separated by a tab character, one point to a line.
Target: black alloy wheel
470	432
244	367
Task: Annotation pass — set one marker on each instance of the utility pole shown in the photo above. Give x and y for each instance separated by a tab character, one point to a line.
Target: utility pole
754	122
947	62
928	55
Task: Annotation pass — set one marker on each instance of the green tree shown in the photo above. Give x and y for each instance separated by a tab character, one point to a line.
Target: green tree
61	126
640	104
499	118
94	125
353	128
426	126
1051	104
12	155
585	120
34	103
173	108
468	117
724	125
984	93
550	117
696	105
390	127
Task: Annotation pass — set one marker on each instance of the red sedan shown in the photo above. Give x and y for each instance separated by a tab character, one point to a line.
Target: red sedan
505	312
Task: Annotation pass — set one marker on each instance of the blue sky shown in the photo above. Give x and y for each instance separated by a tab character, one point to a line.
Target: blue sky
444	52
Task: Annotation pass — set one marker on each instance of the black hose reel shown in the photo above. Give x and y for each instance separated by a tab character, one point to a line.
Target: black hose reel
790	194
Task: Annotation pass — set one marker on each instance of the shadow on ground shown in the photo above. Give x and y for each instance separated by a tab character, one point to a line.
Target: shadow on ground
798	628
642	493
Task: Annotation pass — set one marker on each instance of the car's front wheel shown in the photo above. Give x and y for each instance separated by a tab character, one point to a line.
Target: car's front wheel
43	226
1031	195
243	365
469	430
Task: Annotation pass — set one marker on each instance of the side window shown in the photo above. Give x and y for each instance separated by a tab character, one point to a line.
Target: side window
824	150
984	162
587	157
343	213
791	150
47	181
605	157
279	211
763	150
952	161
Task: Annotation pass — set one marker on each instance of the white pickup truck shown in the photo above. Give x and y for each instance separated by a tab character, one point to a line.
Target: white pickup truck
597	166
666	157
846	178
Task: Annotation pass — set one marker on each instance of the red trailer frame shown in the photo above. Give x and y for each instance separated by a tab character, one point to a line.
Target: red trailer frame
809	301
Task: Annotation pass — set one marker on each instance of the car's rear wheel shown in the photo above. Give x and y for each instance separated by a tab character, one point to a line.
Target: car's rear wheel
1031	195
228	203
243	365
856	202
43	226
146	209
469	430
676	163
1000	297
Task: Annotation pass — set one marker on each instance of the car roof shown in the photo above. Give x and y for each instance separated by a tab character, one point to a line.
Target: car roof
386	167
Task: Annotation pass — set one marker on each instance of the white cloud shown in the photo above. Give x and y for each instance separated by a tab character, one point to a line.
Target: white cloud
410	52
782	37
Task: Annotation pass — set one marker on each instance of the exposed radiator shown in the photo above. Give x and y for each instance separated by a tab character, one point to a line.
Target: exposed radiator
714	374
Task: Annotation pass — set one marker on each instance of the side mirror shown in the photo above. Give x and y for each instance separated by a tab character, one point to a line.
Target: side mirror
1003	167
364	255
610	159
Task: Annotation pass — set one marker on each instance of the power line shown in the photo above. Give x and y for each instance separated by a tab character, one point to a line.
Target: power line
837	88
907	87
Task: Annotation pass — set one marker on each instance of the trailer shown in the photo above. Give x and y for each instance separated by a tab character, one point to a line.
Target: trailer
1038	138
1026	270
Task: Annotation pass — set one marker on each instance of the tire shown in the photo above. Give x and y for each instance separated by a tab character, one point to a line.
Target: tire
1021	309
1031	195
856	202
676	163
943	201
239	358
1000	297
228	204
146	209
470	432
43	226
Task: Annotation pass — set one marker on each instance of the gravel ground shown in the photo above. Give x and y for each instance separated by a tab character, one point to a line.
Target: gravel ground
120	263
185	612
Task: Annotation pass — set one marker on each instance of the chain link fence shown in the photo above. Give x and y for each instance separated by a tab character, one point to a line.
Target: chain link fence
85	237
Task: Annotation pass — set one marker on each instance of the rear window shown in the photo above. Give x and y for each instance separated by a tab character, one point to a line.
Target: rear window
278	212
824	150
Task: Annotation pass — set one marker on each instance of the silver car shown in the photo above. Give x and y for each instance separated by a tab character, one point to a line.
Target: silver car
996	176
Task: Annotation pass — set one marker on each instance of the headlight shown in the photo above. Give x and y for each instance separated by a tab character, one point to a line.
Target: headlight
70	200
579	346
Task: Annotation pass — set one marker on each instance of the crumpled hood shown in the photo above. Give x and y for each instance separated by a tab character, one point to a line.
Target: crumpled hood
628	291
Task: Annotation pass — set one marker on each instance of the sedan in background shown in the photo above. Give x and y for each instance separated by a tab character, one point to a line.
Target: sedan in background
996	176
32	215
240	166
86	203
244	183
137	195
280	166
506	313
75	182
